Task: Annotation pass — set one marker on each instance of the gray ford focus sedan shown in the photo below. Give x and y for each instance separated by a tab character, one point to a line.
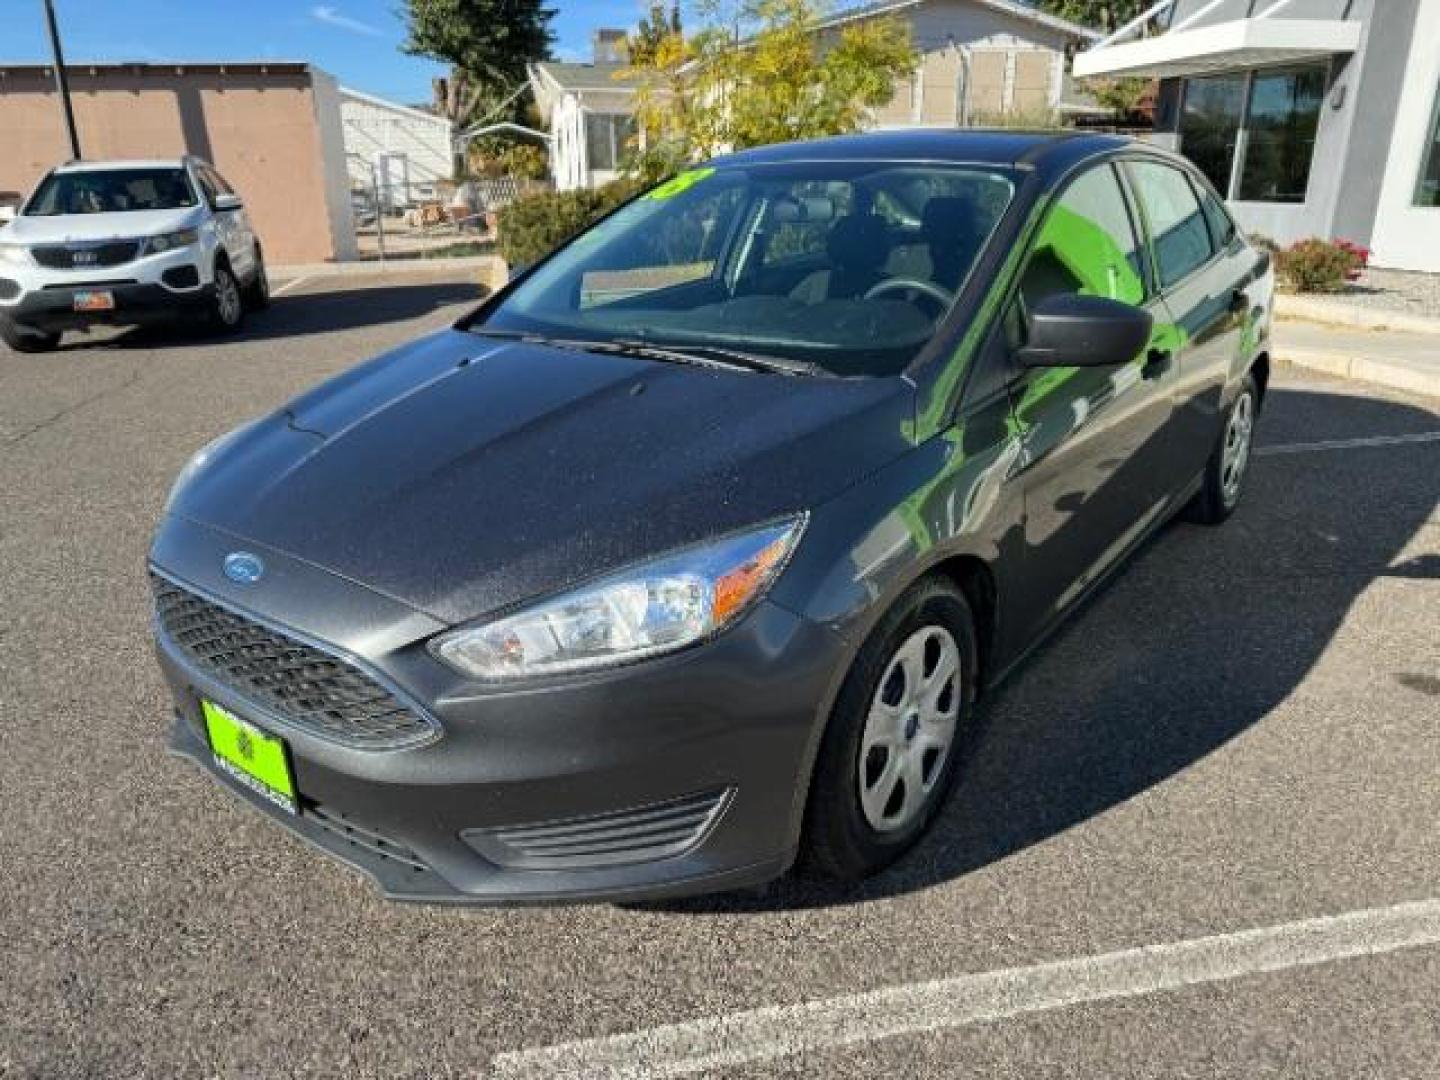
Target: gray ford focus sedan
688	554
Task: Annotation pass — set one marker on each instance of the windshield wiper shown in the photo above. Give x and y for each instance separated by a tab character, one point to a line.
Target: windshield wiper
701	355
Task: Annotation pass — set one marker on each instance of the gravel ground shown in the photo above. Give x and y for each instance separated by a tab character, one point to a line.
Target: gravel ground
1395	290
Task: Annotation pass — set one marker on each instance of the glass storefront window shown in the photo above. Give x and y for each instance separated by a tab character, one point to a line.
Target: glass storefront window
1209	124
1427	192
1280	134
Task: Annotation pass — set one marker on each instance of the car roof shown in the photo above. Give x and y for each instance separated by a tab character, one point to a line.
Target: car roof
1003	147
136	163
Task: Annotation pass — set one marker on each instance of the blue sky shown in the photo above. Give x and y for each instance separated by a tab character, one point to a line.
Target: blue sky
355	40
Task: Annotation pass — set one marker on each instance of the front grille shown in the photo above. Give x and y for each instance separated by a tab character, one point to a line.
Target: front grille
638	835
303	685
9	289
86	256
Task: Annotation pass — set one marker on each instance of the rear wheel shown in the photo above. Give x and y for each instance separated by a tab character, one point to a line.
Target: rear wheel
1229	464
227	304
889	754
27	340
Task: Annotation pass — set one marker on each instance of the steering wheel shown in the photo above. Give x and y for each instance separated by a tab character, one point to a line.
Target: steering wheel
943	297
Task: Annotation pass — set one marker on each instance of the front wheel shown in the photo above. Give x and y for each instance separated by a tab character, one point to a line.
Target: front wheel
227	305
1229	464
889	754
24	339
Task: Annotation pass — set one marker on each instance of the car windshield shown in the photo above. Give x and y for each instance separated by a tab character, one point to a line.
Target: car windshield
844	267
111	191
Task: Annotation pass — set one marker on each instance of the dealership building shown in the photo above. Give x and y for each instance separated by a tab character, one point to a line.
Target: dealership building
1312	117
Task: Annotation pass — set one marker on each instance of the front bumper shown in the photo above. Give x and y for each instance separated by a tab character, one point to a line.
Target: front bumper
719	737
53	308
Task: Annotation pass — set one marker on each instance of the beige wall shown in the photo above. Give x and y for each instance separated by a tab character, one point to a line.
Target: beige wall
261	130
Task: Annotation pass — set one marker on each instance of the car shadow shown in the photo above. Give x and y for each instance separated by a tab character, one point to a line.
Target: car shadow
1196	640
305	315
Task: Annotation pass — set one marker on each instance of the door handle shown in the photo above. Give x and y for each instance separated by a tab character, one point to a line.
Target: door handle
1157	362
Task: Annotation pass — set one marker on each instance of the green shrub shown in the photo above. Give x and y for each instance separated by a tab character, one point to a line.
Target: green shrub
1321	266
532	227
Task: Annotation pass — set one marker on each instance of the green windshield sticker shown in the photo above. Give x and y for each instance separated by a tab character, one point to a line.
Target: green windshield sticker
680	184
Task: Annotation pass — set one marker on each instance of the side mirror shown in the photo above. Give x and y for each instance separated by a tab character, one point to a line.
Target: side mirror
228	202
7	215
1070	330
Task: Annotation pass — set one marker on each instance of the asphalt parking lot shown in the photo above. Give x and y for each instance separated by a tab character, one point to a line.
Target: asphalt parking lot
1198	837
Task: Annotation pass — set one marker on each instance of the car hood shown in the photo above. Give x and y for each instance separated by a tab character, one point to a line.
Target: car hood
461	475
82	228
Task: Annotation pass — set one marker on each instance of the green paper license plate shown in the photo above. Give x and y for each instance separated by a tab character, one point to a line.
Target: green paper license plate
250	757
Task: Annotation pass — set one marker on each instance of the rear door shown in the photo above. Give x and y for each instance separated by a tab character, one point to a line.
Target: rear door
1095	438
1201	269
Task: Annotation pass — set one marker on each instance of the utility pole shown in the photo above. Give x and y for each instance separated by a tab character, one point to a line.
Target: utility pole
62	84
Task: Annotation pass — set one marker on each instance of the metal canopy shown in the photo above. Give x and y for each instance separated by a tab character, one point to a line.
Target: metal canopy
1228	46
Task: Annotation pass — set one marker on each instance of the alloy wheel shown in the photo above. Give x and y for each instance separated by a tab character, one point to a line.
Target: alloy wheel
1235	456
910	729
228	302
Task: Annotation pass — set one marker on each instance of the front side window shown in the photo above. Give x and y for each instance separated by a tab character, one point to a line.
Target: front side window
1427	192
848	266
1178	230
1280	135
1087	245
111	191
1210	125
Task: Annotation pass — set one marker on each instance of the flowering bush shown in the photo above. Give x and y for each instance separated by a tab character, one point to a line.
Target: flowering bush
1320	265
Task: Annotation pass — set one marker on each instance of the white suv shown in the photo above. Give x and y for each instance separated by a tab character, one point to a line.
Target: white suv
124	243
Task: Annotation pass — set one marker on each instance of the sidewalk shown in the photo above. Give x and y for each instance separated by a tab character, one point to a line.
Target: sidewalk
1404	361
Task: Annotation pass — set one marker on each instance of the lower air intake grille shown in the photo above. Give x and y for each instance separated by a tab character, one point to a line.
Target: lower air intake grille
303	685
649	832
377	844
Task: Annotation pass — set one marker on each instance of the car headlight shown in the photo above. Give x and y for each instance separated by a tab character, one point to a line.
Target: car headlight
201	458
12	253
655	607
170	241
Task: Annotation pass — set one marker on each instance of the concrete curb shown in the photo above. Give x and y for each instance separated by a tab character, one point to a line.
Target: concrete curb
1392	373
478	263
1338	313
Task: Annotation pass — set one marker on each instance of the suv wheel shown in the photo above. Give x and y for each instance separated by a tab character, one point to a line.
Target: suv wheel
227	306
1229	463
257	293
889	754
24	339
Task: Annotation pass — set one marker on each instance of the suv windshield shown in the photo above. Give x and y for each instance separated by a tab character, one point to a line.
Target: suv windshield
847	267
111	191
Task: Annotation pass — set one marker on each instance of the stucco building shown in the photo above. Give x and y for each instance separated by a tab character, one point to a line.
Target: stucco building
272	129
1312	117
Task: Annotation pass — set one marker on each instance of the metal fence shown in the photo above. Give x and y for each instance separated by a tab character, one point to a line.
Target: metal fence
395	219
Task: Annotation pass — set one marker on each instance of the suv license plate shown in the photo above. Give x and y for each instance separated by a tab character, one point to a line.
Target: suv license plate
94	301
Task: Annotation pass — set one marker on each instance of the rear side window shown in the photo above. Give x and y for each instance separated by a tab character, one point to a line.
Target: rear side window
1222	226
1087	245
1178	229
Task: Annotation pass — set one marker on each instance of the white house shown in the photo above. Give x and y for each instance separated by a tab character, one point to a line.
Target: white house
1312	117
399	147
977	61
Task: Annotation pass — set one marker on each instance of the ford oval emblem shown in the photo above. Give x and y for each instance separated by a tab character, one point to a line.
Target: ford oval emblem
243	568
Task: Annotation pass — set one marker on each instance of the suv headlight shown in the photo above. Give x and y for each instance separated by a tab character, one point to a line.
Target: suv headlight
655	607
170	241
12	253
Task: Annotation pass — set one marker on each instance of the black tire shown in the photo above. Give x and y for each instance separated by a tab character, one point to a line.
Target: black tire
257	293
27	340
1222	489
227	301
840	841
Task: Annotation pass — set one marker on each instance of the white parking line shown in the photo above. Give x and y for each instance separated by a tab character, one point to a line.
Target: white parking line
762	1034
1346	444
283	289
